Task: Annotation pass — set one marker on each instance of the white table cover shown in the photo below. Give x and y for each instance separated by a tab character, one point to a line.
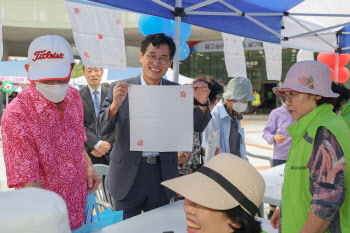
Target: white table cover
164	219
273	178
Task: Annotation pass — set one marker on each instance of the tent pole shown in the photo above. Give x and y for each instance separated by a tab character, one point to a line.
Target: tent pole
337	60
177	34
336	67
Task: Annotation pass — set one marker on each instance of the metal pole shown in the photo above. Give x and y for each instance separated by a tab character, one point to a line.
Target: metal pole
336	66
337	60
177	34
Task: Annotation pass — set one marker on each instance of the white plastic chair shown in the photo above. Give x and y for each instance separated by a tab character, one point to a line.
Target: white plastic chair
103	198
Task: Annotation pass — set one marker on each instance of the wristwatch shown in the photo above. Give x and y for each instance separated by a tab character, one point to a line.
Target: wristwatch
196	102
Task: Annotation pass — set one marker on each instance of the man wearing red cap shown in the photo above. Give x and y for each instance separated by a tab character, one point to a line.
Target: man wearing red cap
43	130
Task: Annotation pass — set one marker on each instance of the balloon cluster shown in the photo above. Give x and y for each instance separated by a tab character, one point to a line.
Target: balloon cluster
151	25
330	60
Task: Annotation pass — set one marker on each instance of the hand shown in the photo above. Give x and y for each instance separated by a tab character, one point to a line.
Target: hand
275	219
93	178
182	157
104	147
279	138
201	92
217	151
119	93
96	153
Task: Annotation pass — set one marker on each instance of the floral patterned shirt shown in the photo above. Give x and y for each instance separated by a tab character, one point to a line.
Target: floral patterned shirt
42	144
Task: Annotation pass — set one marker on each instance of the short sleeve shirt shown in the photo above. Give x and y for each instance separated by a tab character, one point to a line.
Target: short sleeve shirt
42	144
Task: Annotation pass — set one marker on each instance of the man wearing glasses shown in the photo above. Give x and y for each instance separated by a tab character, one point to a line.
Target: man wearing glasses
135	176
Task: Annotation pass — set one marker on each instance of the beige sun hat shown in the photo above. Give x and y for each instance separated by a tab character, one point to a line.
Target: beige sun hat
224	182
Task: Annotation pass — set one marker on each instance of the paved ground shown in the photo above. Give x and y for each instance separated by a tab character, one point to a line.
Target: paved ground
253	128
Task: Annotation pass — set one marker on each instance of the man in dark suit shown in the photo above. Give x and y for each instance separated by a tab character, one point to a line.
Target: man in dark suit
135	176
92	97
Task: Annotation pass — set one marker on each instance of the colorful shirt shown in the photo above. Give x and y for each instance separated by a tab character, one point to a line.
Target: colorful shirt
279	120
42	144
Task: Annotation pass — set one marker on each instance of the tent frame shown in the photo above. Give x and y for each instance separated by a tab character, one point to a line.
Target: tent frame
179	12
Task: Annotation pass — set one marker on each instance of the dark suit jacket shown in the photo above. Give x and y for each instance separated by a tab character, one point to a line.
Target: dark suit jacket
123	175
90	121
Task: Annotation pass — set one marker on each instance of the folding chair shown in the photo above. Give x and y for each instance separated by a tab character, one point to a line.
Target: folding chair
103	198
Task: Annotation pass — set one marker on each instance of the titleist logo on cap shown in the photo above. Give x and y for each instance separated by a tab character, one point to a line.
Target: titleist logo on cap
47	55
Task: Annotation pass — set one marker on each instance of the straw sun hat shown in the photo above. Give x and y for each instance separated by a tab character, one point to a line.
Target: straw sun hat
224	182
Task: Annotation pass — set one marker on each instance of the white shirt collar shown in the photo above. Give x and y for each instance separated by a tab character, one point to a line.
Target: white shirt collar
92	90
143	82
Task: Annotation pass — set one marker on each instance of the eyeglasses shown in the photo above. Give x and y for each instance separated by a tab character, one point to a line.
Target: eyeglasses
288	97
153	58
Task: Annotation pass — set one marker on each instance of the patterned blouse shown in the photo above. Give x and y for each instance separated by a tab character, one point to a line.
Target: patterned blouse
327	169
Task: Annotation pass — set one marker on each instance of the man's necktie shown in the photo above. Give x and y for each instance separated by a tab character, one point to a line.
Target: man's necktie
96	106
96	102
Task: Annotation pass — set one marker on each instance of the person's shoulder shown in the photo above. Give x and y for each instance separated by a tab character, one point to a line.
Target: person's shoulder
130	80
134	80
73	90
18	106
215	113
104	88
83	89
168	82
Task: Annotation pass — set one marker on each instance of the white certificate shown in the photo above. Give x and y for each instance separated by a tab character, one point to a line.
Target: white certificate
161	118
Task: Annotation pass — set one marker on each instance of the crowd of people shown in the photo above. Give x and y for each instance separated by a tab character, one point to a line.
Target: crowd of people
52	135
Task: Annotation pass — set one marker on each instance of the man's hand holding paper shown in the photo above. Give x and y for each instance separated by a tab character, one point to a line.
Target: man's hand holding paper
119	94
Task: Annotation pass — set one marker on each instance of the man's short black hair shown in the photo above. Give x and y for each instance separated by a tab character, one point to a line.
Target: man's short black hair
84	68
157	40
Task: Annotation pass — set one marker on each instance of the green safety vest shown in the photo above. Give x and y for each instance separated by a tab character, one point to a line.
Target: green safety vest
296	197
345	113
257	100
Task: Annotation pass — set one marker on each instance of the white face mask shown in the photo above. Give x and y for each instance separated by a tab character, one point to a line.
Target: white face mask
239	106
54	93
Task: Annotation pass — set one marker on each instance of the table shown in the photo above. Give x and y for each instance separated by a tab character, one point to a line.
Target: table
169	218
273	178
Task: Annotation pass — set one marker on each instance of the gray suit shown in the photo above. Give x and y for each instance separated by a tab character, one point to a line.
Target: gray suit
90	124
126	162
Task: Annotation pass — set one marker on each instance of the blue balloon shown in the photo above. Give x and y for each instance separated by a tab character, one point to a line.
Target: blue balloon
151	25
185	30
184	50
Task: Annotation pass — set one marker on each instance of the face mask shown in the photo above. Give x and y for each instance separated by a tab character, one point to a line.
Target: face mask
54	93
239	106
